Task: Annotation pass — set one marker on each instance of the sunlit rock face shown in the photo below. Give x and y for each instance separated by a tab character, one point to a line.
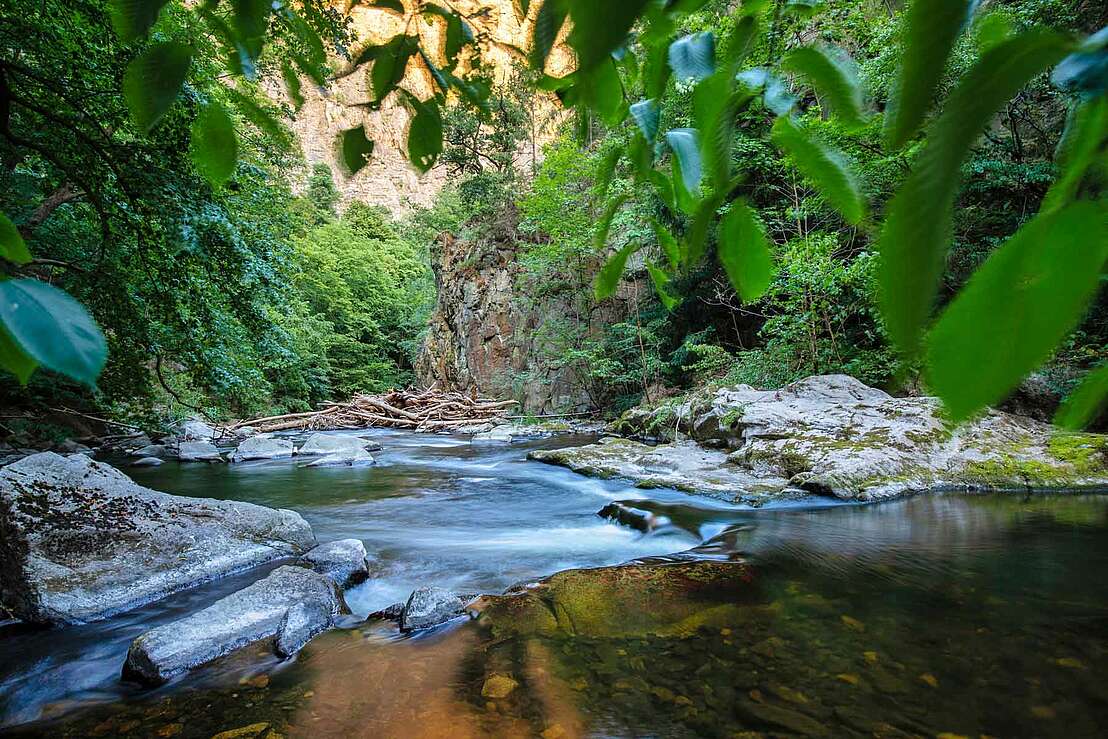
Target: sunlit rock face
389	180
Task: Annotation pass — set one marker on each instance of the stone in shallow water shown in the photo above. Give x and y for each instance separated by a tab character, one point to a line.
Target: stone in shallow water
360	458
80	541
150	450
343	561
336	445
263	447
198	451
195	431
429	607
290	606
148	462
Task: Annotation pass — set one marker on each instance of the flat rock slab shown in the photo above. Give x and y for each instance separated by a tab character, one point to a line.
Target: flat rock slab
80	541
289	607
335	445
345	561
834	435
198	451
263	447
359	458
684	466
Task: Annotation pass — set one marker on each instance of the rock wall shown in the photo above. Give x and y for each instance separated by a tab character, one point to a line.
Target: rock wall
389	180
485	336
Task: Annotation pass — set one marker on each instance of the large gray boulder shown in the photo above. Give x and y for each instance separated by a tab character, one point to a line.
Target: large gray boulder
833	435
194	430
429	607
345	561
198	451
289	607
263	447
150	450
80	541
359	458
336	445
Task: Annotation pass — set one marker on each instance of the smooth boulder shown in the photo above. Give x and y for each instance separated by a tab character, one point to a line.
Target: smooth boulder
429	607
263	447
80	541
289	607
148	462
338	449
360	458
194	430
198	451
150	450
344	561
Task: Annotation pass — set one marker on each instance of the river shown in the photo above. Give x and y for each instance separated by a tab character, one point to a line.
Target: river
966	615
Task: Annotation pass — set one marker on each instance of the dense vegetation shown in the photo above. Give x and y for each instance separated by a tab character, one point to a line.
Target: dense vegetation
794	141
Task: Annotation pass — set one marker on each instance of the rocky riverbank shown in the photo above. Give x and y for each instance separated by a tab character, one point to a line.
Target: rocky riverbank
833	435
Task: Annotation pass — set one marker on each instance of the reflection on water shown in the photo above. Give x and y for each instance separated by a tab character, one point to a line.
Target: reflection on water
972	615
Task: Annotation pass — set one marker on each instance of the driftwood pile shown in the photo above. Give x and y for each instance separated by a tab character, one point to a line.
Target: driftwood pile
420	410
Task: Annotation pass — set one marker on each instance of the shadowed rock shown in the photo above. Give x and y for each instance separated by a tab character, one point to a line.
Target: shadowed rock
429	607
343	561
263	447
198	451
82	541
289	607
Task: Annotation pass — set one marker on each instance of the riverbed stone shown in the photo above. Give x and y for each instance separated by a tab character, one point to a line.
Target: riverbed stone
358	458
833	435
150	450
345	561
148	462
289	607
81	541
195	430
198	451
429	607
337	446
263	447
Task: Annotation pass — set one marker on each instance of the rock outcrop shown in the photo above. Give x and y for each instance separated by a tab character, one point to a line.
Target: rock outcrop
289	607
833	435
81	541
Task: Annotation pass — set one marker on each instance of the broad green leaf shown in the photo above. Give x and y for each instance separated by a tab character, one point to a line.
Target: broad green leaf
131	19
656	71
522	7
703	218
661	286
647	116
693	57
548	24
153	80
394	5
250	21
685	145
1085	404
601	89
53	329
739	43
831	72
601	239
826	168
437	74
276	133
775	93
930	30
606	169
1015	309
1086	70
14	359
916	234
458	32
12	246
355	149
292	85
390	64
743	249
424	134
668	244
664	187
803	8
1079	148
714	107
599	28
607	280
992	29
239	58
214	146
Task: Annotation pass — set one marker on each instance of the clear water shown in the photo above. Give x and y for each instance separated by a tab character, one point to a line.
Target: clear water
968	615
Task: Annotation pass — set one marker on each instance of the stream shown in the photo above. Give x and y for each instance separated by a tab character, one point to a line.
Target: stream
957	614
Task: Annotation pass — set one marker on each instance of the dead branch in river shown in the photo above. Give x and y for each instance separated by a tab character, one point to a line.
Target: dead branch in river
419	410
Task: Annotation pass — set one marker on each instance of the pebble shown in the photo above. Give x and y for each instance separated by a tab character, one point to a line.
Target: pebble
498	686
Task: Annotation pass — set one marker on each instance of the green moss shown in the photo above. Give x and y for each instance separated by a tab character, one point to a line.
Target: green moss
1087	453
1008	470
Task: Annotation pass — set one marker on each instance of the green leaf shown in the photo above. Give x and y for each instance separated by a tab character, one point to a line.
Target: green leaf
153	80
743	249
803	8
424	134
704	217
390	64
292	85
355	149
548	24
668	244
656	71
53	329
214	146
647	116
275	132
1085	404
1015	309
826	168
931	28
714	108
833	75
606	170
1078	150
661	286
602	91
131	19
12	246
394	5
605	225
914	239
14	359
693	57
250	21
599	28
458	32
775	93
685	145
664	187
522	7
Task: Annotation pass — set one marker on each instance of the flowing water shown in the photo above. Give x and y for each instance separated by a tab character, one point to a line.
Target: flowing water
965	615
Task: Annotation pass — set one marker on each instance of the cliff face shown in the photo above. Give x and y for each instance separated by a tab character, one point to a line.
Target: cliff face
487	335
388	180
